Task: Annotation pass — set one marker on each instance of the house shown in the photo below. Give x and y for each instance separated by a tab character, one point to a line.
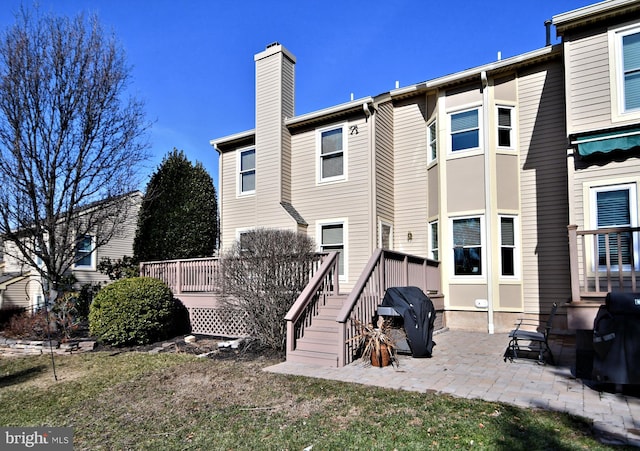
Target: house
21	285
494	172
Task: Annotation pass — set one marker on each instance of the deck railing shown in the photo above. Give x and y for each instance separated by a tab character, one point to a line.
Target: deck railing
595	257
198	275
385	269
323	283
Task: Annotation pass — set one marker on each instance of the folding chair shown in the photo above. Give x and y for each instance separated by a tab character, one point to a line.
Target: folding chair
538	341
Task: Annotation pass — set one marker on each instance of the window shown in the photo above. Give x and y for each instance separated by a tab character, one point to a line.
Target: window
508	257
84	253
465	130
625	48
433	241
247	171
467	246
386	233
613	207
332	240
332	154
432	142
505	126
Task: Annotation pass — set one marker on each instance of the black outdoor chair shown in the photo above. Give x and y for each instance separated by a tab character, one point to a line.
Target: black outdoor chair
537	341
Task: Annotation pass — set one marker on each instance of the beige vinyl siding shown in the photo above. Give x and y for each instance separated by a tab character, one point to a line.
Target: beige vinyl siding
465	184
544	218
588	84
348	199
384	180
410	165
119	246
507	182
235	212
287	111
14	295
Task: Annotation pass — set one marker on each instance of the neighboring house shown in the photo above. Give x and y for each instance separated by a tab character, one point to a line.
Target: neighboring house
21	284
482	170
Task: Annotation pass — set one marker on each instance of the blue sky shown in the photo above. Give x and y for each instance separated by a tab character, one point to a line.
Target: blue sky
193	59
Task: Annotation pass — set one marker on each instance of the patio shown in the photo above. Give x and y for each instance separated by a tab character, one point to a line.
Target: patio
470	365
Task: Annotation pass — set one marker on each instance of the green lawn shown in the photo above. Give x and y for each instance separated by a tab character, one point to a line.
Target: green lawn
176	401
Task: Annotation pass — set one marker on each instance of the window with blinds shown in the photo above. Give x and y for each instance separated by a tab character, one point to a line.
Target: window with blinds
331	154
505	127
467	246
247	173
631	70
613	210
507	246
332	240
465	130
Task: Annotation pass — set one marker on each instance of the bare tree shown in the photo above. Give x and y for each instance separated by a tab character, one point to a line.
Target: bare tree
262	274
71	139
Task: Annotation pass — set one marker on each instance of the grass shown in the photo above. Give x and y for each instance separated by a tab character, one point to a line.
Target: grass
176	401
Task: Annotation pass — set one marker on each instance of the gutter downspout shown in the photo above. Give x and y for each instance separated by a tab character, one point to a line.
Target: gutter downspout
487	199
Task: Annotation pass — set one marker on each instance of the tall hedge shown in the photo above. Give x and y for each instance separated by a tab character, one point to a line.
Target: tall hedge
134	311
179	213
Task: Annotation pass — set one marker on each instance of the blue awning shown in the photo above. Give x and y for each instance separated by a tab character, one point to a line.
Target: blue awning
608	142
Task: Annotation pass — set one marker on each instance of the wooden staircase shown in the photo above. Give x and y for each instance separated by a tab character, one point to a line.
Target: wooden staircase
319	345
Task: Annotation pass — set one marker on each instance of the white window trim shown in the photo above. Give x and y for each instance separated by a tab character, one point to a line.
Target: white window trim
339	178
616	73
345	240
512	133
239	152
92	266
516	247
471	150
483	258
382	223
430	140
430	240
633	210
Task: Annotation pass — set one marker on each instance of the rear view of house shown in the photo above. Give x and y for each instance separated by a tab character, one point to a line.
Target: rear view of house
490	173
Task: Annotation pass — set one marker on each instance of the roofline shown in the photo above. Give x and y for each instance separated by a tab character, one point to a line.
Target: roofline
231	138
474	72
590	13
358	104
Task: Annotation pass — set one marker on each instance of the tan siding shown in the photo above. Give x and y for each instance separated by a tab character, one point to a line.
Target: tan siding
587	70
507	182
543	188
410	165
384	164
348	199
465	184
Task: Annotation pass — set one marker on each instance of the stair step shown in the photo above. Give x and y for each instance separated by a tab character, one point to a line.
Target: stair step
315	358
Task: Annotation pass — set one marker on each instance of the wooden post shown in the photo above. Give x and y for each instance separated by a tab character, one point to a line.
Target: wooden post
573	262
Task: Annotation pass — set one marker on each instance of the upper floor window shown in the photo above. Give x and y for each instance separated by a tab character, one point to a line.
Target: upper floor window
624	45
84	258
247	171
467	246
432	141
465	130
505	127
631	70
331	144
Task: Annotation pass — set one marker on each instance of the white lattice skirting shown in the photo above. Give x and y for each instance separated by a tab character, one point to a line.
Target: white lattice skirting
217	321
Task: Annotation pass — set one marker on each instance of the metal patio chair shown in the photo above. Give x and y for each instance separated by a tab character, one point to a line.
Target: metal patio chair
535	341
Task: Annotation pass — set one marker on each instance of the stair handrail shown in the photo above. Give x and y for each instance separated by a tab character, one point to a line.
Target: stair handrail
377	260
319	278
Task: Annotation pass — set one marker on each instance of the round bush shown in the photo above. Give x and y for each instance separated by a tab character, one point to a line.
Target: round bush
132	311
